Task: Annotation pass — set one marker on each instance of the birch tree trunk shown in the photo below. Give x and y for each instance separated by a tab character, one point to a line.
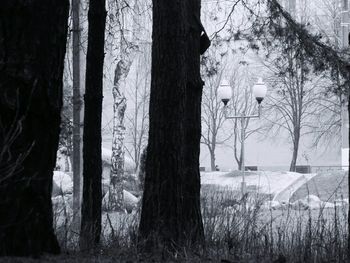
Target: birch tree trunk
116	196
127	52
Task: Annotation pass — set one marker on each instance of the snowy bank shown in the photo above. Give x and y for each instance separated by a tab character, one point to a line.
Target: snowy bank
263	181
309	202
62	183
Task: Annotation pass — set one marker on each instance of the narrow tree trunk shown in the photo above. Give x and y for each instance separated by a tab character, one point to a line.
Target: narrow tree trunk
240	163
212	161
92	165
238	158
31	71
295	152
77	118
127	50
115	199
171	201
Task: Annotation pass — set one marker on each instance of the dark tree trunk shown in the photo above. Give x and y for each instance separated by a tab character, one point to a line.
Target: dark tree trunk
92	165
32	48
240	163
212	161
295	151
193	230
347	94
170	210
348	98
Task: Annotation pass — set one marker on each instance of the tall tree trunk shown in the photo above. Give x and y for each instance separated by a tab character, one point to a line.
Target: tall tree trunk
118	151
31	71
171	201
127	52
77	118
193	230
348	101
92	165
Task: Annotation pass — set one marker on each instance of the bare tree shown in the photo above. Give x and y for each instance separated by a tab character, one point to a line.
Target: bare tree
137	117
292	102
325	127
212	114
299	98
242	103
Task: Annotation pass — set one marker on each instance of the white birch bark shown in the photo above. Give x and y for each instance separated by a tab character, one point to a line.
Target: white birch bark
127	53
118	152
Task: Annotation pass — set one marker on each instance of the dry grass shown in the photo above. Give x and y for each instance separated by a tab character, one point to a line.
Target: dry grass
237	230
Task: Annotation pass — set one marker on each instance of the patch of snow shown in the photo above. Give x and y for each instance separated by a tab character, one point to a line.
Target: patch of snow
130	201
341	202
285	194
272	205
328	205
312	202
63	181
265	181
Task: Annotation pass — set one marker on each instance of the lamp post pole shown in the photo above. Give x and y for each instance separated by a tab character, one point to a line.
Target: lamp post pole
225	93
243	119
243	186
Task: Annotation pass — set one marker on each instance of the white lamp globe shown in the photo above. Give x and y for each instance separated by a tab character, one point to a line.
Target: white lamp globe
225	92
259	90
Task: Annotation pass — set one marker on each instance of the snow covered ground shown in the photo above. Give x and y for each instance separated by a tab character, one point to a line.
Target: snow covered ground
281	185
265	182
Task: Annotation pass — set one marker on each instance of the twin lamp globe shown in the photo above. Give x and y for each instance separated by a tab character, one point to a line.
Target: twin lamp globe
225	91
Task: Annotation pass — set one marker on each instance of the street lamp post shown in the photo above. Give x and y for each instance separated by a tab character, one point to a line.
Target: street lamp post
225	94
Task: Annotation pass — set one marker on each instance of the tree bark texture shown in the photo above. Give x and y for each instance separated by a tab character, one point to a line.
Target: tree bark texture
171	202
127	53
92	139
116	196
77	128
193	228
348	98
32	49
